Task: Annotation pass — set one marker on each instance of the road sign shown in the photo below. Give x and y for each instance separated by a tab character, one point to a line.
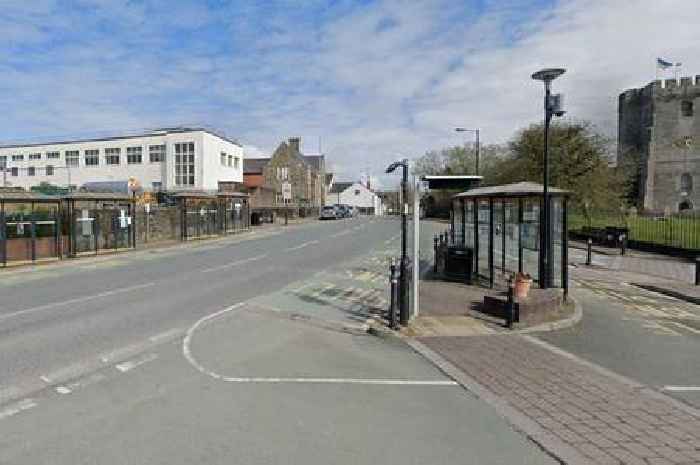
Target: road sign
286	191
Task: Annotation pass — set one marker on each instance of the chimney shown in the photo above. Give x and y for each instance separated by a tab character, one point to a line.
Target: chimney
294	143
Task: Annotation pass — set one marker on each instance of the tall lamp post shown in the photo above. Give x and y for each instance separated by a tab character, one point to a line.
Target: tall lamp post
477	145
552	107
403	280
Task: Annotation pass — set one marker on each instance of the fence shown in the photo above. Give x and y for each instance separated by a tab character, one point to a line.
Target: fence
674	231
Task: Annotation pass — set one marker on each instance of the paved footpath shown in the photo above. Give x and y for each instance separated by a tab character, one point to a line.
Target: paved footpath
577	411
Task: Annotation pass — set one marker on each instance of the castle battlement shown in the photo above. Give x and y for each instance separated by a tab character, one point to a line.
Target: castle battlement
665	87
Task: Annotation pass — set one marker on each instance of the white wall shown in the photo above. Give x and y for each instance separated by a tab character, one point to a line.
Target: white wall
364	199
208	170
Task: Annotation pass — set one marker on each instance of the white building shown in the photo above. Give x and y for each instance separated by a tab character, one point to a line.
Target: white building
357	195
164	159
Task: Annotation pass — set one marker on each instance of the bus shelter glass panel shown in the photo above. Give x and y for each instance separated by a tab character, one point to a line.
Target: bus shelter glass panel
469	223
511	235
202	218
234	215
457	219
46	230
85	229
483	230
18	223
530	237
498	236
115	221
557	215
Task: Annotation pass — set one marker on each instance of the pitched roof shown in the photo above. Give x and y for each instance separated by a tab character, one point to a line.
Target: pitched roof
315	161
514	189
254	165
339	187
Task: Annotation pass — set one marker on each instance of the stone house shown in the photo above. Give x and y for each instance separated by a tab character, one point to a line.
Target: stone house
659	134
306	174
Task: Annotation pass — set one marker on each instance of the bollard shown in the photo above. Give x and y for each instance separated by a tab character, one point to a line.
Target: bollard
394	298
623	243
697	271
589	252
510	305
435	248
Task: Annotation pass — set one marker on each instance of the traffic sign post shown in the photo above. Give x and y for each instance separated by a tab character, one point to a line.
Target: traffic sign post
286	197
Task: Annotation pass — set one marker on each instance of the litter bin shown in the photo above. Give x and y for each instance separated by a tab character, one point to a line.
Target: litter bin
459	262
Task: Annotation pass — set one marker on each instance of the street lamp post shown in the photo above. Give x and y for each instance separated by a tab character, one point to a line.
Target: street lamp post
477	144
403	282
552	107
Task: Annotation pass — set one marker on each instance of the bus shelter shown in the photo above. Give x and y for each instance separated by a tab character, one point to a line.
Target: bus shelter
98	222
199	214
503	225
235	212
30	227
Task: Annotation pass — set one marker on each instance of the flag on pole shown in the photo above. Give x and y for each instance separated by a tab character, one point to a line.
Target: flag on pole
663	64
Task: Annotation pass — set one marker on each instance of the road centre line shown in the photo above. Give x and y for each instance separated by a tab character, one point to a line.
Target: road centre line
682	388
77	300
301	246
236	263
131	364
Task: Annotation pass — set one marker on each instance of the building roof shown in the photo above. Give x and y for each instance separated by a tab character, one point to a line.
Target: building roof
254	165
97	196
315	161
518	189
23	196
145	133
339	187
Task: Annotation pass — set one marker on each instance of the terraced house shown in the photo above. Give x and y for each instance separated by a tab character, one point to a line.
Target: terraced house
305	173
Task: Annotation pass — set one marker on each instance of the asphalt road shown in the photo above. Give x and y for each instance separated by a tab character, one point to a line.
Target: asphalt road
646	336
242	350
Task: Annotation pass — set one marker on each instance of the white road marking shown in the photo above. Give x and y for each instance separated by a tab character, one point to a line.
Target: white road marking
166	335
87	381
187	352
76	300
301	246
342	233
682	388
233	264
63	390
131	364
14	409
386	382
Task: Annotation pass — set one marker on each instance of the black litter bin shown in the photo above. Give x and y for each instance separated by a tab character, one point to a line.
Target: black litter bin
459	262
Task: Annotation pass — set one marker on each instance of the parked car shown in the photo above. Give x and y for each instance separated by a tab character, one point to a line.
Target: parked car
343	210
329	212
353	210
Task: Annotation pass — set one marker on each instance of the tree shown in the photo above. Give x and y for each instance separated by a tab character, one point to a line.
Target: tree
578	162
461	160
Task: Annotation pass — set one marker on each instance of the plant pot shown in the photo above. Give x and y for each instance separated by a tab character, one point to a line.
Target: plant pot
522	286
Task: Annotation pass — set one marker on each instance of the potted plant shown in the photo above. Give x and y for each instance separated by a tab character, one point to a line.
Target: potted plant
523	281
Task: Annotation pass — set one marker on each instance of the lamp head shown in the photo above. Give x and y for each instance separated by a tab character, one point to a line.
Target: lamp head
391	168
548	74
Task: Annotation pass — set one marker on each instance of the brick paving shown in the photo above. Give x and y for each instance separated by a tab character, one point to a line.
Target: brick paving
603	417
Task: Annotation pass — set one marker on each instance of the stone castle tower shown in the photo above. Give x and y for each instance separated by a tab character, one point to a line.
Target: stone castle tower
659	133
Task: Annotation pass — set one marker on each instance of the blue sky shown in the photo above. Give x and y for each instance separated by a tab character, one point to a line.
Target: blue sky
373	79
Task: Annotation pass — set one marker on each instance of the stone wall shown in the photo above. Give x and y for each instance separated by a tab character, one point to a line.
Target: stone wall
162	224
664	142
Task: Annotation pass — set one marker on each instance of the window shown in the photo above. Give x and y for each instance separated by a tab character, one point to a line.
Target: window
112	156
687	108
156	185
357	191
14	171
686	182
49	170
17	157
92	157
230	160
53	155
134	155
156	153
282	173
184	164
3	161
35	156
235	162
223	159
72	158
31	171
